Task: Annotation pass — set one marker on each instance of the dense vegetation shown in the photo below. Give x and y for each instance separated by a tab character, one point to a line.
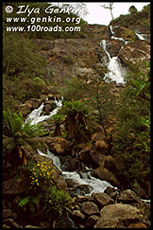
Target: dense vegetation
126	119
141	18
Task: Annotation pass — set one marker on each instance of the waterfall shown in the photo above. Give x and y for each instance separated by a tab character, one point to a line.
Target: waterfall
141	36
82	178
36	117
115	70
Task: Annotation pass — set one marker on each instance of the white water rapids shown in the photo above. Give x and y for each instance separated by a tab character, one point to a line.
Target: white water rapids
115	69
82	178
36	115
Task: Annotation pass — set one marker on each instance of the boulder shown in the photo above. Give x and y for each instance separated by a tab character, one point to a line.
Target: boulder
77	215
49	106
118	216
105	174
16	186
91	221
90	208
84	188
102	199
110	163
25	109
70	164
84	155
112	192
128	196
58	145
97	156
8	213
34	103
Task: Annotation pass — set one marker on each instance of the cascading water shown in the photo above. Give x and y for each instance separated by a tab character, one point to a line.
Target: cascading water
141	36
115	69
83	178
36	117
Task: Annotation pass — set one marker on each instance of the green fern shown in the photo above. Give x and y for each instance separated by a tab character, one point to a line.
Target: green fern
23	201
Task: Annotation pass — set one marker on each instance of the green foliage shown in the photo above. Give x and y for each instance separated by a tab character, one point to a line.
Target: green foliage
43	199
131	143
76	119
135	17
58	120
128	34
19	134
68	59
58	200
42	173
132	10
20	57
74	89
23	69
101	101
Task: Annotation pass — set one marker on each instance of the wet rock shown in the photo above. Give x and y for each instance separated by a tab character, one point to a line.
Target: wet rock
49	106
118	216
90	208
70	164
84	189
102	199
112	192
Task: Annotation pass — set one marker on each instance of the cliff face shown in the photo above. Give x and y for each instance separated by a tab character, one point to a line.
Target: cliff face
83	57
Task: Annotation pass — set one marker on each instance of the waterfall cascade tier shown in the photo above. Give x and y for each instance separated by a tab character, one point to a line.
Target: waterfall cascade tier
115	70
36	115
83	178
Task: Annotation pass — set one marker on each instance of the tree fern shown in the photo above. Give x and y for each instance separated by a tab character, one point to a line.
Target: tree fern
21	134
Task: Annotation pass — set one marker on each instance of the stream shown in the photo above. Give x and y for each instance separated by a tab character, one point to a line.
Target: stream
83	177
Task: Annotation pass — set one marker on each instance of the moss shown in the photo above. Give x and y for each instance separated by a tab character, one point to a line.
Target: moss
128	34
